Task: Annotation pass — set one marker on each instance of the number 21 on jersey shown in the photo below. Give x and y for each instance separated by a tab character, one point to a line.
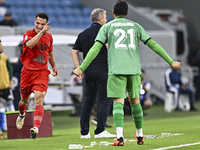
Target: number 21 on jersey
123	36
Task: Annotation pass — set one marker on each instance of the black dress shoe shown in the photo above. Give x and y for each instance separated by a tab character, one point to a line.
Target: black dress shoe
193	109
177	109
108	126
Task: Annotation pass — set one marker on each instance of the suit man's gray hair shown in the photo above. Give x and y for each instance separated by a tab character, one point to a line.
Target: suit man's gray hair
96	14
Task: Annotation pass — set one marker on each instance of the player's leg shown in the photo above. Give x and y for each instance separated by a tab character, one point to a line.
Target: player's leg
133	88
25	91
41	80
116	87
137	114
118	117
39	112
23	104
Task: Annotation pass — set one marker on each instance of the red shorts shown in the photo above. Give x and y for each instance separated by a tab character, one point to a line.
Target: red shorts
33	80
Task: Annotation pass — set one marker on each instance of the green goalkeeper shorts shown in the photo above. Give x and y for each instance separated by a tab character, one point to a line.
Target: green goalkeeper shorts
118	84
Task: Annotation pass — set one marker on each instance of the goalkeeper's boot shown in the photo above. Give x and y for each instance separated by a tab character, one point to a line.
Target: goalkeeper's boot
33	132
20	121
140	140
119	142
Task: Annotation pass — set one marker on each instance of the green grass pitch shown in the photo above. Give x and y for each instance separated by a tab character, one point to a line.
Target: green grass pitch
66	130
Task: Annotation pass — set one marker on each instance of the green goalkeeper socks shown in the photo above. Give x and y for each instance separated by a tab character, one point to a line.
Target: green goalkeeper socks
118	114
137	114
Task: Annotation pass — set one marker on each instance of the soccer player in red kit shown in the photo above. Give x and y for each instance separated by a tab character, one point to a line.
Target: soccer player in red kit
37	51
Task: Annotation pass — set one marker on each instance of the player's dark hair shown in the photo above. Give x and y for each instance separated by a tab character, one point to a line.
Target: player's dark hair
120	8
43	15
142	71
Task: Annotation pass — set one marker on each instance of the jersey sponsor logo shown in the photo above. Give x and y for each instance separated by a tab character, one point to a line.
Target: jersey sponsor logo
26	37
49	44
39	59
23	91
122	24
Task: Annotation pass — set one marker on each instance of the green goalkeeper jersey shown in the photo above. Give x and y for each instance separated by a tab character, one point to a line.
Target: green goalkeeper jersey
122	36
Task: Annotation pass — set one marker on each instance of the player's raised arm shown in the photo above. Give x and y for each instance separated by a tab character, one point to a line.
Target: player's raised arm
41	26
161	52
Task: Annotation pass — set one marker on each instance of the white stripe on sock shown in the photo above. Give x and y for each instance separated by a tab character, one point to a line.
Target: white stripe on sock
38	118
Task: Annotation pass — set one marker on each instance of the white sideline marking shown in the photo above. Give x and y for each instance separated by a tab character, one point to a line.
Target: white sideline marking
189	144
178	134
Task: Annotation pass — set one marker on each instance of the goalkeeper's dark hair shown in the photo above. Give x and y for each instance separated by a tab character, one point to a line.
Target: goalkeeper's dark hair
142	71
120	8
43	15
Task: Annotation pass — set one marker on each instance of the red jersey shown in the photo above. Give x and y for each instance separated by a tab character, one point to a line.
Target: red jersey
37	57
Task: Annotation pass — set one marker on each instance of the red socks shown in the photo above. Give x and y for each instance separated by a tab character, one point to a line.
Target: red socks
38	115
22	108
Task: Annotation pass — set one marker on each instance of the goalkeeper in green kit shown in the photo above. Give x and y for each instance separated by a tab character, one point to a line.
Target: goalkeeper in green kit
124	71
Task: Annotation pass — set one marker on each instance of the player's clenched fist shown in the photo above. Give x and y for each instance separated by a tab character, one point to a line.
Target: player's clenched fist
176	65
77	72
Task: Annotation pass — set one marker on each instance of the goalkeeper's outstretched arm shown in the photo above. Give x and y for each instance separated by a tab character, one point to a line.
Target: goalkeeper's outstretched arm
161	52
91	55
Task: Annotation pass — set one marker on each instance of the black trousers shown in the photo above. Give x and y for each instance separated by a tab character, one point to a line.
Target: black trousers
17	97
95	83
197	84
